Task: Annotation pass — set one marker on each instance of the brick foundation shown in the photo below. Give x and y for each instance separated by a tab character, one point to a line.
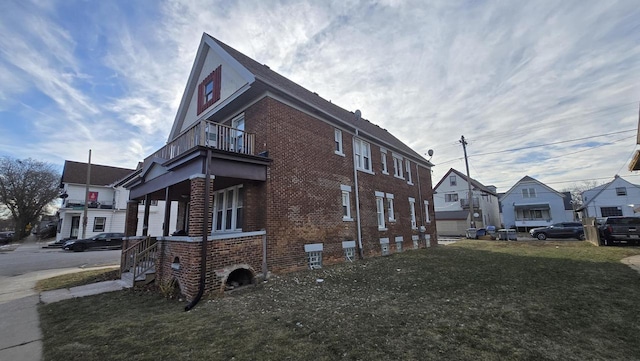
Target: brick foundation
223	257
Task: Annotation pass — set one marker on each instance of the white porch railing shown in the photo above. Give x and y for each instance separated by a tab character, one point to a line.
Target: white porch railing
209	134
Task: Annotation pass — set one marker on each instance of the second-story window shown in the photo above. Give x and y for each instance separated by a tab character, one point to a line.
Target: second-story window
363	155
383	158
528	192
408	169
453	181
621	191
338	141
451	197
397	166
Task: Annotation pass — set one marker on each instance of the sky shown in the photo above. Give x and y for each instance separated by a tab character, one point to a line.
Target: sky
548	89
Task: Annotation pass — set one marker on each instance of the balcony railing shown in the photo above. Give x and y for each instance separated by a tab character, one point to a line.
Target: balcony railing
209	134
76	203
464	203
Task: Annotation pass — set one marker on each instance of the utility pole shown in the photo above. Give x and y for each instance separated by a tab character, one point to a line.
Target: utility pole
466	162
86	199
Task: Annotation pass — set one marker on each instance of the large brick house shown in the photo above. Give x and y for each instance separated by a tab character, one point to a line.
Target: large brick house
295	180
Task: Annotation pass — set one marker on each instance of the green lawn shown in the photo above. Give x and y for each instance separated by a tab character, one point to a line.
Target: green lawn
473	300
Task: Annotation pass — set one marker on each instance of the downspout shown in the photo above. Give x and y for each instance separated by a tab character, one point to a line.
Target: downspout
355	178
420	196
205	230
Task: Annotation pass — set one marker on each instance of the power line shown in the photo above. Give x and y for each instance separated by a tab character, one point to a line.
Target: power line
546	144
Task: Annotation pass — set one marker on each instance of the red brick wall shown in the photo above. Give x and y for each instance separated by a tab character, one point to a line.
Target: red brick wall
223	257
301	200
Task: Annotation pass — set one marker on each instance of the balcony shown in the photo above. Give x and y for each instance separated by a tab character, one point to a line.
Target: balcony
209	134
79	204
464	203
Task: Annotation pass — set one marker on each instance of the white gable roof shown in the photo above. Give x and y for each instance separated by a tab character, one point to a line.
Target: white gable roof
235	80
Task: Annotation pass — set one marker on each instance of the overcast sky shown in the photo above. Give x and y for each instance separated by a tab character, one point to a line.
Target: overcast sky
548	89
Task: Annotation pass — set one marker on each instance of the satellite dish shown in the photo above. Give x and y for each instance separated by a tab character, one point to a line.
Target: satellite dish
430	152
358	114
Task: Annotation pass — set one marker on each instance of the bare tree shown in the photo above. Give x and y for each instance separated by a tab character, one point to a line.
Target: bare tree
27	187
577	189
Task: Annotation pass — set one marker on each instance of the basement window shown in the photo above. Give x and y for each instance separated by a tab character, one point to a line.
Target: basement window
399	240
349	248
384	246
415	239
314	255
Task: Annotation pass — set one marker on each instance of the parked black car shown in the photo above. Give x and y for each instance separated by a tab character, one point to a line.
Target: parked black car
6	237
620	230
99	241
559	230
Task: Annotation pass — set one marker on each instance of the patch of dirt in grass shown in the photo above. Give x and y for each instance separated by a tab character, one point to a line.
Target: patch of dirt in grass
469	302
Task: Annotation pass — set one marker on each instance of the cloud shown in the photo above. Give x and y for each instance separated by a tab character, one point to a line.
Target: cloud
501	73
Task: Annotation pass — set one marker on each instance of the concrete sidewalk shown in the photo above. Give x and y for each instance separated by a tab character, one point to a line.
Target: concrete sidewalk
633	262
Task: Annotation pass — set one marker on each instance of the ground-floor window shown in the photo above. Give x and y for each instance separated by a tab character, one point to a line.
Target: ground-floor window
99	224
228	207
611	211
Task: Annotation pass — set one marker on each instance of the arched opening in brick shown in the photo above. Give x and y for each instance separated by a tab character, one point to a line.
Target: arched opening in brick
239	278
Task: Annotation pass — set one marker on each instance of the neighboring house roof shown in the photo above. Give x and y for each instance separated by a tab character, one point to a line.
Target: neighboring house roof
101	175
269	77
602	188
474	183
530	179
452	215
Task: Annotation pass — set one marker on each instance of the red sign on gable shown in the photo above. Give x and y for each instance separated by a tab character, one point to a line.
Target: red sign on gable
93	196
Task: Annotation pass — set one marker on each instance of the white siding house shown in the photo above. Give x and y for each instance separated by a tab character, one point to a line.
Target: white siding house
530	203
107	202
451	201
616	198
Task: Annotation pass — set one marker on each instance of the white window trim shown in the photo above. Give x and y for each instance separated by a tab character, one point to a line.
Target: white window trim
234	210
397	166
380	211
408	170
337	135
392	214
383	158
412	212
426	212
359	158
346	190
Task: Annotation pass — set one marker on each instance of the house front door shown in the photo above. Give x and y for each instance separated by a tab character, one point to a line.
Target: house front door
75	226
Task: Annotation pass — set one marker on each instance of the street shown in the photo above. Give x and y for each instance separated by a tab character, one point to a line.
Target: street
31	257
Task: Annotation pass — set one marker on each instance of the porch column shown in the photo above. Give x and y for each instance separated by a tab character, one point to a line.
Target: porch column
167	212
145	222
131	221
196	207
